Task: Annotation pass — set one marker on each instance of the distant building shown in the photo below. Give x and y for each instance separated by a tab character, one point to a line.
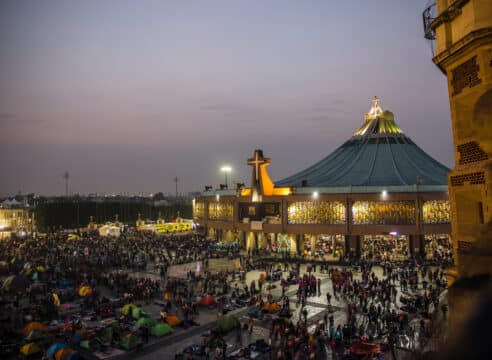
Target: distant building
15	217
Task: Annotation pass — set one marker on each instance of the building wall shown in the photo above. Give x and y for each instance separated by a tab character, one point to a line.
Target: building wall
464	53
432	223
14	219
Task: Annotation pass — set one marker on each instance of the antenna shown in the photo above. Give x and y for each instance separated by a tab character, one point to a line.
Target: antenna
66	176
176	181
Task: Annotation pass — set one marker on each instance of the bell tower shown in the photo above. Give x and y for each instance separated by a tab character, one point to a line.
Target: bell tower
463	33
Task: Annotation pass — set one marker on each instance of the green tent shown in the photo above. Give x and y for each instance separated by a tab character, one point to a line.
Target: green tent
227	322
137	313
128	309
144	321
129	342
161	329
85	344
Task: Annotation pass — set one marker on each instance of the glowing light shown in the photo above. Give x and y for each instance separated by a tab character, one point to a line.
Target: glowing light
384	193
315	195
226	168
394	233
217	197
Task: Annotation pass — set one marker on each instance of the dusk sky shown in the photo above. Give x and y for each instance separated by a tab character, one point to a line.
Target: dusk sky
126	95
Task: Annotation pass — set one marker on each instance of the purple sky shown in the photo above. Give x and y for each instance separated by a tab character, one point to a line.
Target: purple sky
126	95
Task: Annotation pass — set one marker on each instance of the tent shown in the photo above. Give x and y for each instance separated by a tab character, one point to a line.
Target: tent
161	329
53	349
86	344
138	312
129	342
271	307
85	291
227	322
15	283
34	325
144	321
207	300
166	295
63	353
40	268
173	320
29	349
127	309
56	299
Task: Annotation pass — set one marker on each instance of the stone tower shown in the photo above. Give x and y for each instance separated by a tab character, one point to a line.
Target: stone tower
463	34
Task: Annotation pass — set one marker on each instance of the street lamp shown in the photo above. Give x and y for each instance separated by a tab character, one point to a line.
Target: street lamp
226	169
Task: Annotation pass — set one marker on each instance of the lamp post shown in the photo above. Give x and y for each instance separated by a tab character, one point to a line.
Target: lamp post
226	169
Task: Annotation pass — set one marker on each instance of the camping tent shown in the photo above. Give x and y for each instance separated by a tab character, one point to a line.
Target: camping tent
144	321
62	353
34	325
53	349
85	291
138	312
161	329
227	322
127	309
207	300
29	349
173	320
272	307
129	342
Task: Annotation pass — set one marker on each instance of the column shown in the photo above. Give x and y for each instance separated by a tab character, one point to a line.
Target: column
298	244
355	245
422	246
347	244
411	245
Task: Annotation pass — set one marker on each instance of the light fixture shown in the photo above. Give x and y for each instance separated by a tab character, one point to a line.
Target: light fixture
226	169
384	193
393	233
315	195
217	197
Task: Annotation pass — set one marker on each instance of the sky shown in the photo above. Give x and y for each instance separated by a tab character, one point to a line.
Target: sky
127	95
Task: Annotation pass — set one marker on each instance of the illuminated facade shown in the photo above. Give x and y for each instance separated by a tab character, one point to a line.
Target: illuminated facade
378	187
14	220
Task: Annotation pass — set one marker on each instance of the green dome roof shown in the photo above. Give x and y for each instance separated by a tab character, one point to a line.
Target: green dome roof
378	154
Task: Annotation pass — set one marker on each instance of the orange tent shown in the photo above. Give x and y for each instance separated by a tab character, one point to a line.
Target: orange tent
173	320
60	354
271	307
33	326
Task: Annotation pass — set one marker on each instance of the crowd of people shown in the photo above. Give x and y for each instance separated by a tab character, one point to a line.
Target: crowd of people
379	304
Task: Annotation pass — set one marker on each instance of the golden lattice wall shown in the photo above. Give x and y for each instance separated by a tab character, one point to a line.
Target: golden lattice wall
316	212
383	213
222	210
